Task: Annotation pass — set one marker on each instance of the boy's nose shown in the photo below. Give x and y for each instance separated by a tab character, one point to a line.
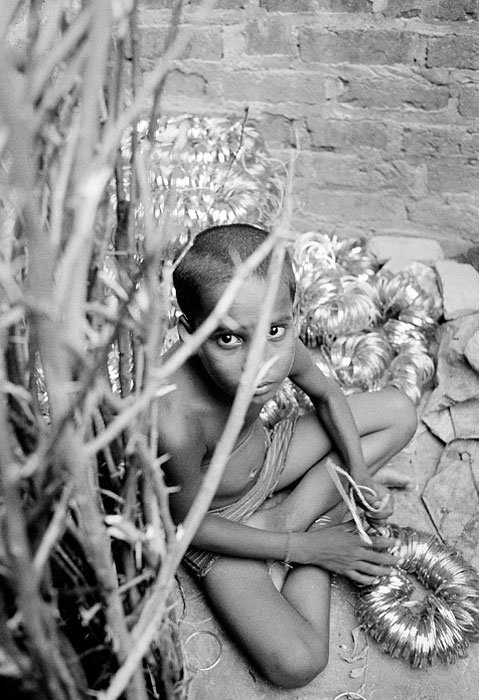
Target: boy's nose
270	357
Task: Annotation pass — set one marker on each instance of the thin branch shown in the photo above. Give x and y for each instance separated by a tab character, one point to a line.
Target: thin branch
97	546
60	187
39	630
125	418
9	10
114	133
60	89
171	36
53	532
50	61
47	32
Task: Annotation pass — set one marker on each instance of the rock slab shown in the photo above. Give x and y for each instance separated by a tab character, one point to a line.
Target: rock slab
459	283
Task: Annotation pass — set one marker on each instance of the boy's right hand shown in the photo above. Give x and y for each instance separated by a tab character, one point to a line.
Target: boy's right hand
340	549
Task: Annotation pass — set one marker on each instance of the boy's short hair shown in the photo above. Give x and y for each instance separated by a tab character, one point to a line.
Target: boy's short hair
212	261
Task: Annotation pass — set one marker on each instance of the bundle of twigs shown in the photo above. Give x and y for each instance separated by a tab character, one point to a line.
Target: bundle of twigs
88	550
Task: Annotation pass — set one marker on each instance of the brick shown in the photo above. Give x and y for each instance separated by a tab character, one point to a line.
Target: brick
468	104
180	82
314	5
274	87
440	140
357	207
456	10
206	43
279	131
453	175
460	288
402	8
332	171
449	10
376	93
346	171
458	215
454	51
366	47
220	4
270	37
335	134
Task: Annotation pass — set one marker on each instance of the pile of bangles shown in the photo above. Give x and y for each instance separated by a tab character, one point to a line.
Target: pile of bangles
437	625
204	171
365	326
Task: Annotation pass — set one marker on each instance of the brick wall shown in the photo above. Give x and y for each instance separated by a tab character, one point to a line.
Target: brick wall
380	97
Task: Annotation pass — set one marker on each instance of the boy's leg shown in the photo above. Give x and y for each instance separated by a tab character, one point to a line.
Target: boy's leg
386	421
285	634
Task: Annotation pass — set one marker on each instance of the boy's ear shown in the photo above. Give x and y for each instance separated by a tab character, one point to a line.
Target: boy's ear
184	327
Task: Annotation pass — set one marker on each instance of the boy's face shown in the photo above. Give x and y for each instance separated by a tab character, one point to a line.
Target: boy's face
224	354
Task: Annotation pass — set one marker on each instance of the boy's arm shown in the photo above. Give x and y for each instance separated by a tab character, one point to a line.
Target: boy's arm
332	409
335	415
337	549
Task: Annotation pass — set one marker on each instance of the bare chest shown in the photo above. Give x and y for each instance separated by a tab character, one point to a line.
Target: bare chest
243	466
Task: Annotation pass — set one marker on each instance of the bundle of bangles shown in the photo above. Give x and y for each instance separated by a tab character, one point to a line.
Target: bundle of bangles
440	622
444	622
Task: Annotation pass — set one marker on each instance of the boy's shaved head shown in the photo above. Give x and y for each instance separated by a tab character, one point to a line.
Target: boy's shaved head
212	260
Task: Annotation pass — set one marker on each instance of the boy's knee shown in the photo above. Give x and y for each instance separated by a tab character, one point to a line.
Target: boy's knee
298	665
404	416
408	414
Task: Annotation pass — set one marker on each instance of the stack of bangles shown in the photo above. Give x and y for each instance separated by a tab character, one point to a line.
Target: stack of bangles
440	625
444	622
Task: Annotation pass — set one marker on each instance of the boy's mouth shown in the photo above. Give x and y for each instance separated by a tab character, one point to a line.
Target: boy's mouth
265	388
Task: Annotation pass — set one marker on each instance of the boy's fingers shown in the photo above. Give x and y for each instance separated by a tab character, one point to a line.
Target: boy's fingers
364	578
381	542
383	558
376	570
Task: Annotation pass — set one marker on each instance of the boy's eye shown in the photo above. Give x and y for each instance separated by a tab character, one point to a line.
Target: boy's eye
228	340
277	332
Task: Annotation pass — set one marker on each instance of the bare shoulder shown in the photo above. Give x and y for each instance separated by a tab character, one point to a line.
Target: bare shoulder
182	438
179	415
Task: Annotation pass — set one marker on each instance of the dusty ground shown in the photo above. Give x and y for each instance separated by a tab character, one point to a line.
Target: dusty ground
372	674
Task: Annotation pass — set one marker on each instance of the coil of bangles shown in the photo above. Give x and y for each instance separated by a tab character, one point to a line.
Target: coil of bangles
441	625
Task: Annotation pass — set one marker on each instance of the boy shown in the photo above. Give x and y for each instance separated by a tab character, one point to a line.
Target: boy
285	632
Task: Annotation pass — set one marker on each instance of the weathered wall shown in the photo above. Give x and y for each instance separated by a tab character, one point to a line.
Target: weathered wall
380	97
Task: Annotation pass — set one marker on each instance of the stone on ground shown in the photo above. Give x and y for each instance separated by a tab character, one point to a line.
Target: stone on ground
404	249
460	288
471	351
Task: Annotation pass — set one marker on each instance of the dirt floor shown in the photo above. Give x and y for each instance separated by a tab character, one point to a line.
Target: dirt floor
356	663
